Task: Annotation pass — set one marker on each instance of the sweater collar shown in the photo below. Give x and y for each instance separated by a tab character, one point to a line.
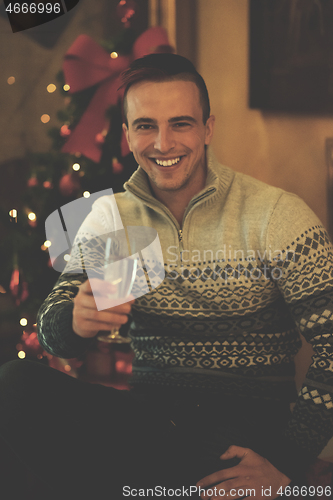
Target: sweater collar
218	181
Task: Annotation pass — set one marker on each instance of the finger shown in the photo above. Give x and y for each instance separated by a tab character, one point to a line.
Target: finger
235	451
85	309
95	286
91	328
106	317
106	298
108	306
219	476
84	301
87	301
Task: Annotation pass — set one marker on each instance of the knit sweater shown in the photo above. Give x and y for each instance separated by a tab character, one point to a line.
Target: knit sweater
250	267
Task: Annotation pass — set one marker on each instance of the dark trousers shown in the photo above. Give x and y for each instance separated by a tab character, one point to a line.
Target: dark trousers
86	439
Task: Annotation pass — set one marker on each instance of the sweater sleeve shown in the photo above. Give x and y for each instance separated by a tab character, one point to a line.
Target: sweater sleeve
54	320
305	279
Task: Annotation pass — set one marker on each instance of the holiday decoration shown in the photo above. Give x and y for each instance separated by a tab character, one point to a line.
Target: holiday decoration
65	131
14	282
100	138
29	345
48	184
86	64
32	182
13	215
18	287
117	167
32	219
69	184
126	10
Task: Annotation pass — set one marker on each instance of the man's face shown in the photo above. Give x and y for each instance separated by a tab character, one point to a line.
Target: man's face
167	135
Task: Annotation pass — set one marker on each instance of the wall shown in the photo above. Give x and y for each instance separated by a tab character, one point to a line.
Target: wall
283	150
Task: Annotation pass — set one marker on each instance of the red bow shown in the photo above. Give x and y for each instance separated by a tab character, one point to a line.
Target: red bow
86	64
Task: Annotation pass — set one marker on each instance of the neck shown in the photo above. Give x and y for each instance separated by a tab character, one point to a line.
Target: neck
177	200
176	205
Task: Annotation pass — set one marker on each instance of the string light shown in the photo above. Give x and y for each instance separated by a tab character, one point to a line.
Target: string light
51	88
11	80
32	216
113	55
67	368
13	213
76	167
45	118
66	87
21	354
45	246
23	321
66	257
86	194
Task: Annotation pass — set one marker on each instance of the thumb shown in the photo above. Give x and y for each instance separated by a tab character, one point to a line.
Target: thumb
234	451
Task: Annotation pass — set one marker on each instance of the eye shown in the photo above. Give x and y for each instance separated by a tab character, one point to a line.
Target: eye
144	126
181	124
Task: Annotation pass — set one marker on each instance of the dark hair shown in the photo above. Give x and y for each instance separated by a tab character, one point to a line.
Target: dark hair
165	67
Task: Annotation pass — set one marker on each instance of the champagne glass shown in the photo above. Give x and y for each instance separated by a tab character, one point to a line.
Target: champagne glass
119	270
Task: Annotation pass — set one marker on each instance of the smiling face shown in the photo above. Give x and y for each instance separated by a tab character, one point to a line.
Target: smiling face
167	135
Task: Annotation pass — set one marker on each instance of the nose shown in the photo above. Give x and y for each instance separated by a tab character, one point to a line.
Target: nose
164	140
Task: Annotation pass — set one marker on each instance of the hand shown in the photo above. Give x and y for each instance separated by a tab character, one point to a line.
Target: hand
252	473
87	320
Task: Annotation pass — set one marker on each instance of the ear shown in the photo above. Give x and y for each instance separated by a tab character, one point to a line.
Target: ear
126	132
209	129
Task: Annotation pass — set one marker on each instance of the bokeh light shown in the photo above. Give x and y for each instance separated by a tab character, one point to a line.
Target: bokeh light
45	118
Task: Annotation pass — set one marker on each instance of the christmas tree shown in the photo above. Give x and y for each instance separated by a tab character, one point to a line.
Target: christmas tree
89	154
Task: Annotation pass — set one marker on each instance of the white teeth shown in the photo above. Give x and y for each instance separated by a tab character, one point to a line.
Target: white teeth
167	163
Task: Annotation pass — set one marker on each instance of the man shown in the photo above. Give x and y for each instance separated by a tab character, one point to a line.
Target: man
246	264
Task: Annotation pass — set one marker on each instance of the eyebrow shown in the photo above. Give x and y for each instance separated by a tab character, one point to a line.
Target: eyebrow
183	118
143	120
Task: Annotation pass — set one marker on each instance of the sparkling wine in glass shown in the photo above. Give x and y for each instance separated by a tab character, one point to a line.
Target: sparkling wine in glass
119	270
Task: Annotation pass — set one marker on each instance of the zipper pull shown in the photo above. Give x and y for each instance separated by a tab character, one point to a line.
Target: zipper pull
180	238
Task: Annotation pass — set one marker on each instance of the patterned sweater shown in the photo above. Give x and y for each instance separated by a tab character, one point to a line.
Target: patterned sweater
250	267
